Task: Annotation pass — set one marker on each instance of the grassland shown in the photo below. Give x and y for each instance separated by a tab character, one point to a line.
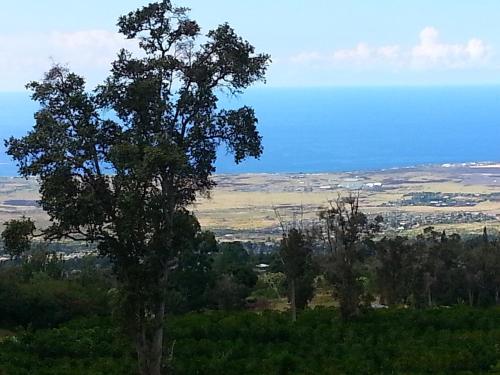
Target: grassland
243	206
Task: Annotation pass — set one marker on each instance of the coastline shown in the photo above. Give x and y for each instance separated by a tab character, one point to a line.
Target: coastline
425	166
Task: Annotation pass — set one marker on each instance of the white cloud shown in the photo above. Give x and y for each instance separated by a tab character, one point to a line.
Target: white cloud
25	57
306	57
389	52
363	53
92	48
476	49
429	53
359	53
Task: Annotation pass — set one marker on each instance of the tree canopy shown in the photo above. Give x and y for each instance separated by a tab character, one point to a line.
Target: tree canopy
118	165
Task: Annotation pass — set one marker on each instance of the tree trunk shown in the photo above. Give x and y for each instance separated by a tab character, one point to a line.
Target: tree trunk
471	298
293	303
149	343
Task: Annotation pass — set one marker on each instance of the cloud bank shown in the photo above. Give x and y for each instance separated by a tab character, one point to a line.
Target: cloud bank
429	53
25	57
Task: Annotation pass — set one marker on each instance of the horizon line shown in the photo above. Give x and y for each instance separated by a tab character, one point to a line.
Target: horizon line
341	86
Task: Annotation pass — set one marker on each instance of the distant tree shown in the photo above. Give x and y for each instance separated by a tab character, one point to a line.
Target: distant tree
390	269
121	182
304	287
17	236
480	266
275	281
449	286
235	274
41	260
429	260
190	281
296	252
345	228
228	293
231	256
494	271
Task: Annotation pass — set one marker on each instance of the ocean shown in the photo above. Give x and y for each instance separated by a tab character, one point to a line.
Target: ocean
343	129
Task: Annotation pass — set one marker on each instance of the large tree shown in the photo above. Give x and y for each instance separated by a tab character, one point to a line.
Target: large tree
123	179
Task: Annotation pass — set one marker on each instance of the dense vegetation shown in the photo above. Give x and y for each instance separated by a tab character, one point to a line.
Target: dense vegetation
63	317
439	341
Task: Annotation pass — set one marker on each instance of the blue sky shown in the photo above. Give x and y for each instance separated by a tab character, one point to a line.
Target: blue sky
312	42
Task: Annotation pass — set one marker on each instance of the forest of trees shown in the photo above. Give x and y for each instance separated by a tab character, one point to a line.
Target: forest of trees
439	295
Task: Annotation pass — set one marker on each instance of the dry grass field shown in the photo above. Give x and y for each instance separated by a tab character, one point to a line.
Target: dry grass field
245	203
244	206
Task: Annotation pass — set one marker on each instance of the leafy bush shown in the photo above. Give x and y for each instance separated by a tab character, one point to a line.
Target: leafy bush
91	346
46	302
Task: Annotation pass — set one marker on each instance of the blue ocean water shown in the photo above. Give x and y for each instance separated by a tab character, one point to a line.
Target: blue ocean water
344	129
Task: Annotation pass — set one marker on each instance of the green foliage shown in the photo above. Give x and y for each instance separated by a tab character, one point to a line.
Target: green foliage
391	265
123	181
235	276
439	341
320	343
347	231
90	346
436	269
228	293
17	235
194	277
40	260
43	301
273	282
295	252
232	255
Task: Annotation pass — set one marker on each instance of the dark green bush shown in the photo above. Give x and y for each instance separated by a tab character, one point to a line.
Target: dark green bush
45	302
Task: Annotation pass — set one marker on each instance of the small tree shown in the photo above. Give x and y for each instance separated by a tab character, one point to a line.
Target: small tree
236	276
391	256
345	228
295	252
122	182
275	281
17	236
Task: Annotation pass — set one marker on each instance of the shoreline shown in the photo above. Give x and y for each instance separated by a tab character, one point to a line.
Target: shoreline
426	166
454	165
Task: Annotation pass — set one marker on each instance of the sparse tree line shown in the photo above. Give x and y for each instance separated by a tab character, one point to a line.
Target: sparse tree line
345	253
362	266
432	269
